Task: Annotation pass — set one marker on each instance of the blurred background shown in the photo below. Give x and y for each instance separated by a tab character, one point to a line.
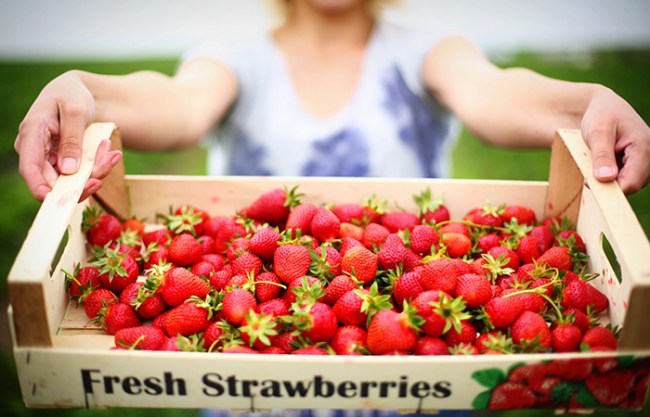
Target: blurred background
580	40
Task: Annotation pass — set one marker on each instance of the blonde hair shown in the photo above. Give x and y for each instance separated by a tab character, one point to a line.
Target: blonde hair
281	7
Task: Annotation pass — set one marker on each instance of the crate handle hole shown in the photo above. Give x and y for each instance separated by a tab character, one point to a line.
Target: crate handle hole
608	250
59	251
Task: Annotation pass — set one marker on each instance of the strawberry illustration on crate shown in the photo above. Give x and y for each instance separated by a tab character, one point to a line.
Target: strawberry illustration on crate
566	384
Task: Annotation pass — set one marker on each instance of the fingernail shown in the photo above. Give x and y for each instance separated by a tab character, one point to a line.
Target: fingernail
115	159
68	165
605	172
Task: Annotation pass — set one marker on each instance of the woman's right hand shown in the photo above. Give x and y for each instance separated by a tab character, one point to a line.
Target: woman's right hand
50	137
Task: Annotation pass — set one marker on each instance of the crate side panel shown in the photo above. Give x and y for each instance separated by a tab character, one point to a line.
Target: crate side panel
191	380
225	195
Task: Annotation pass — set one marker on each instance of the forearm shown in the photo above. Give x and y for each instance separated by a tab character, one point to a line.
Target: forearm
155	111
512	107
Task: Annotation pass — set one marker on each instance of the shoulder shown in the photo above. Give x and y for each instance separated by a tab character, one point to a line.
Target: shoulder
235	52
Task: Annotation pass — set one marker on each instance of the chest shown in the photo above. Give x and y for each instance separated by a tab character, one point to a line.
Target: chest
325	83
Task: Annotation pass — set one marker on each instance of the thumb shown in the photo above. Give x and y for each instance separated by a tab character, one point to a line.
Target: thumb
73	125
602	143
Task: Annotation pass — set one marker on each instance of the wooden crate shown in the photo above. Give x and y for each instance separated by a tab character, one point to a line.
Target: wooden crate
63	361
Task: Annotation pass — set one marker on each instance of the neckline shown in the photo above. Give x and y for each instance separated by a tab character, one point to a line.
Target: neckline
293	93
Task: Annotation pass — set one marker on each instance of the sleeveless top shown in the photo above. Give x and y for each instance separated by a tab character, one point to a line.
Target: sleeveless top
391	127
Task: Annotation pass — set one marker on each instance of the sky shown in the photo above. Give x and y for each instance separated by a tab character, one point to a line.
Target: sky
41	29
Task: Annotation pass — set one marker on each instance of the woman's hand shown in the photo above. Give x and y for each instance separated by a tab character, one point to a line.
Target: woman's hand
50	137
619	140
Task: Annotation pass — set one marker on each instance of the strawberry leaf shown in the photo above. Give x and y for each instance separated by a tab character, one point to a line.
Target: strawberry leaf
482	401
489	378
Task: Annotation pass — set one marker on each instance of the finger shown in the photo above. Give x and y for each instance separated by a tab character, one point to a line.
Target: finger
32	160
74	118
92	186
634	173
601	141
105	160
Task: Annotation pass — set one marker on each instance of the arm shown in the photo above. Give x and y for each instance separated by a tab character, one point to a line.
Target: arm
520	108
152	110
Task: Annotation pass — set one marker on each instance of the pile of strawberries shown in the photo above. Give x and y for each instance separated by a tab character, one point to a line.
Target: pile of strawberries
285	276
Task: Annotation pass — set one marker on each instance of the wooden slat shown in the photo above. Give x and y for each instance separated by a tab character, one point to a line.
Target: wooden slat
113	195
31	269
619	225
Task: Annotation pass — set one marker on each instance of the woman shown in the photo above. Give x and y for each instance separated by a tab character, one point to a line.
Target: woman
331	91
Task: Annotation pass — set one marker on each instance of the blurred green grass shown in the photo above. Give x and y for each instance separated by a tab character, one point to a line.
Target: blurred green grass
625	71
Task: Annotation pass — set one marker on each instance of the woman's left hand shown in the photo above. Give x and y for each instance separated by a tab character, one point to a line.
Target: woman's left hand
619	140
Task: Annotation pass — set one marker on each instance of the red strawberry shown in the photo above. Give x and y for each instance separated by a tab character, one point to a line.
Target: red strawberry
600	336
511	395
325	262
155	255
349	212
273	206
203	269
258	329
396	221
466	334
236	247
351	230
337	287
544	237
189	318
159	236
523	215
116	270
310	350
422	238
580	295
325	225
96	300
475	290
566	338
140	338
100	228
432	211
349	340
392	252
145	301
275	307
247	263
300	218
503	311
391	331
556	257
291	261
186	219
267	286
570	238
454	227
116	316
348	308
179	284
528	249
185	250
440	274
488	241
237	304
217	260
428	345
374	236
440	312
611	388
347	243
531	331
316	322
360	263
485	216
458	245
214	336
264	242
82	281
406	287
286	341
305	289
134	224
